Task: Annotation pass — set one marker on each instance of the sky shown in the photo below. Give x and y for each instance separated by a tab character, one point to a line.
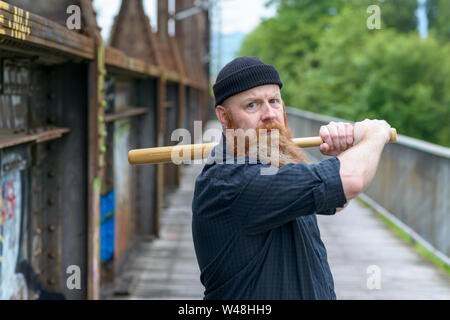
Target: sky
108	9
235	19
422	18
237	15
243	16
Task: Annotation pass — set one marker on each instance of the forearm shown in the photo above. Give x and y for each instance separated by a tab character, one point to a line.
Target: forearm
359	163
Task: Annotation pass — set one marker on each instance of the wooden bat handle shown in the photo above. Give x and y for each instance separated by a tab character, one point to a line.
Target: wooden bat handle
201	150
317	141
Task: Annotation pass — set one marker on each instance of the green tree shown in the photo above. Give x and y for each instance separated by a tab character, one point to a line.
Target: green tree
332	64
438	13
397	14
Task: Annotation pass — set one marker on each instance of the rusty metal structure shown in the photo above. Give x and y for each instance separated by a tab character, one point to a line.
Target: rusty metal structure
71	107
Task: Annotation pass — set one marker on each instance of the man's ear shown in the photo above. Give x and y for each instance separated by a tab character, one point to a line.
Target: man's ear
221	115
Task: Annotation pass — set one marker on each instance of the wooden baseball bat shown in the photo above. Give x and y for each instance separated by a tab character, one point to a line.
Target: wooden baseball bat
197	151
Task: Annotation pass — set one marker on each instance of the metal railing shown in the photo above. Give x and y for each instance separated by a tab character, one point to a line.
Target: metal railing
411	183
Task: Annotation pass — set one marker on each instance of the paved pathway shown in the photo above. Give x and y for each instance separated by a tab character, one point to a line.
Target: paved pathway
359	246
166	268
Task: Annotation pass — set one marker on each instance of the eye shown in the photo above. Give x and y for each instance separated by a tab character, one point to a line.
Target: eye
251	105
274	101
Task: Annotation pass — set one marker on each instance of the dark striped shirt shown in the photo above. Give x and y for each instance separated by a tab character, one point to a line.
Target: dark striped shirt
256	236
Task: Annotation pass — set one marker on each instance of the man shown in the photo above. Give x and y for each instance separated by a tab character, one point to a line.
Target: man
256	235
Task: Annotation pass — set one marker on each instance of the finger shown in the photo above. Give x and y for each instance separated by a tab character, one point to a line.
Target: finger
334	136
324	148
325	135
342	137
349	134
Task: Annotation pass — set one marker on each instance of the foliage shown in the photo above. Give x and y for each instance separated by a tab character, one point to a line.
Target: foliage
333	64
438	13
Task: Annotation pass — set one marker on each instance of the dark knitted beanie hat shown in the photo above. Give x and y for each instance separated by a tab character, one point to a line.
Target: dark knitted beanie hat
242	74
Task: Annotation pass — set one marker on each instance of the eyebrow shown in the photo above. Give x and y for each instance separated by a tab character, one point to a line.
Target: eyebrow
274	95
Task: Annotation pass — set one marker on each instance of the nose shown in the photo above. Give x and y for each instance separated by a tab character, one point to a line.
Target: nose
268	113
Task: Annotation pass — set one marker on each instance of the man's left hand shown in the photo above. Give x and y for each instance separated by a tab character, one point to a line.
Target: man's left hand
337	137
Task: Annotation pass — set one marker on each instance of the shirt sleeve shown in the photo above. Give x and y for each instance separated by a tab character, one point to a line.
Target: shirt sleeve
269	201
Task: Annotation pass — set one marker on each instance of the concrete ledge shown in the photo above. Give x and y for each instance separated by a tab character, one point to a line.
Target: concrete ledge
411	181
413	237
433	254
409	142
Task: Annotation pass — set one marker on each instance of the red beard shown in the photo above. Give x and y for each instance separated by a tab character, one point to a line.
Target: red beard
288	152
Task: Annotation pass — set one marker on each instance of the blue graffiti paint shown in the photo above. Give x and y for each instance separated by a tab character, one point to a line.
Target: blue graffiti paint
107	207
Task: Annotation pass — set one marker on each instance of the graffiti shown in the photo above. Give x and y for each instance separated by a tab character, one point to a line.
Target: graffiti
9	197
107	207
17	278
32	280
12	284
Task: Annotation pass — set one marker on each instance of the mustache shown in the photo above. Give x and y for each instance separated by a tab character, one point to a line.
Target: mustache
273	126
288	151
284	132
